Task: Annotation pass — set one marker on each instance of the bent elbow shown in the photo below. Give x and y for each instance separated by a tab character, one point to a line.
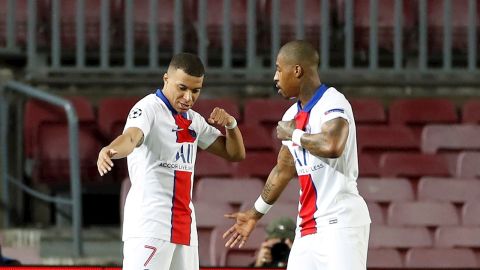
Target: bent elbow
334	151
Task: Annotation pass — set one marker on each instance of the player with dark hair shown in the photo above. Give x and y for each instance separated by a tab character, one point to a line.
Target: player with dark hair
319	145
160	142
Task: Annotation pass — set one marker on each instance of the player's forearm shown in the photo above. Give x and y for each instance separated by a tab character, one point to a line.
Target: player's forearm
123	144
322	145
276	183
234	144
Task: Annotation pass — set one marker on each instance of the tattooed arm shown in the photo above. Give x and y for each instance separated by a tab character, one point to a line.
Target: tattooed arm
329	143
277	180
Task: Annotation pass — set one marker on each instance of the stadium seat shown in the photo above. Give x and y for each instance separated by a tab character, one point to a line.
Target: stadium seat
384	258
385	138
368	111
413	165
241	257
467	165
291	193
229	191
422	214
278	210
256	137
450	138
471	213
256	164
112	115
385	190
457	237
210	165
205	106
265	111
448	190
311	21
440	258
386	22
376	213
459	21
209	215
399	237
368	166
471	112
419	112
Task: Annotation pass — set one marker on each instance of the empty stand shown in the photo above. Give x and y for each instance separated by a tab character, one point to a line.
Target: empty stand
266	111
368	166
205	107
471	111
399	237
440	258
422	214
376	213
422	111
256	137
413	165
228	191
368	111
210	165
237	257
291	193
256	164
385	189
471	213
457	237
467	165
386	138
450	137
112	115
384	258
448	189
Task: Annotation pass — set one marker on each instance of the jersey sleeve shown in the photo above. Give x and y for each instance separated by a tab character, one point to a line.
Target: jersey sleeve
141	117
207	133
336	107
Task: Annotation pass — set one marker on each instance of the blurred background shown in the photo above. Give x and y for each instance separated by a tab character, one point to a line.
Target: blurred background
70	70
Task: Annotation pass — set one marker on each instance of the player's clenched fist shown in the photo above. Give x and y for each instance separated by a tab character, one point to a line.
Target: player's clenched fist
220	117
104	161
285	129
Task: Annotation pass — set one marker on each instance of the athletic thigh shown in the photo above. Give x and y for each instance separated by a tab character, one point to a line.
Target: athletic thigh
147	253
185	258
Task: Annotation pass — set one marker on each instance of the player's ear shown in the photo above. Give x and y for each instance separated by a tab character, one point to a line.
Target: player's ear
298	71
165	78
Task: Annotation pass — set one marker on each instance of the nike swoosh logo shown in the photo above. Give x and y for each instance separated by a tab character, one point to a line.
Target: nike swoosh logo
176	129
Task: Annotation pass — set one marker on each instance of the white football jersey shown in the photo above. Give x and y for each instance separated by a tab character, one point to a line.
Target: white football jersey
161	170
328	195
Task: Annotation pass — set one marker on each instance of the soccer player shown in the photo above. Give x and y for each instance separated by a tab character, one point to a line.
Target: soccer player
319	145
160	141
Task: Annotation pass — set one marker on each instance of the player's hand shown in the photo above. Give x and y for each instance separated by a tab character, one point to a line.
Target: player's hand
104	161
220	117
285	130
240	231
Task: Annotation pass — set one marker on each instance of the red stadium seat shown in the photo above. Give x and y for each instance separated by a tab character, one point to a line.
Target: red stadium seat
291	193
386	22
450	137
420	112
210	165
422	214
256	137
399	237
112	115
241	257
467	165
376	213
265	111
385	138
368	166
413	165
448	190
384	258
205	107
451	237
208	217
440	258
385	189
471	213
471	112
256	164
368	111
459	19
234	192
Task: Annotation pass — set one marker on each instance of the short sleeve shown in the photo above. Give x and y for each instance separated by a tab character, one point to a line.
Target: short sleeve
141	117
207	133
336	107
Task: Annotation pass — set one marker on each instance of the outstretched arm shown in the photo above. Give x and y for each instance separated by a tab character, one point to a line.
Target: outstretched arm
121	147
230	146
277	180
329	143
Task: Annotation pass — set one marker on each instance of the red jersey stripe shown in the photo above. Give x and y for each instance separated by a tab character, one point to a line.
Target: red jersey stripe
181	212
308	202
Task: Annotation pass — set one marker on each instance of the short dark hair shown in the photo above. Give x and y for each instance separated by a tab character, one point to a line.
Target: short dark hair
301	51
189	63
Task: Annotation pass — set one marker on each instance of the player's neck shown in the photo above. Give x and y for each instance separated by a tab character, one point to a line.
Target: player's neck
307	90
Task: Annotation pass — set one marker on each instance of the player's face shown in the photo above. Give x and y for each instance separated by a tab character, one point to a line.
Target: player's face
181	89
285	79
